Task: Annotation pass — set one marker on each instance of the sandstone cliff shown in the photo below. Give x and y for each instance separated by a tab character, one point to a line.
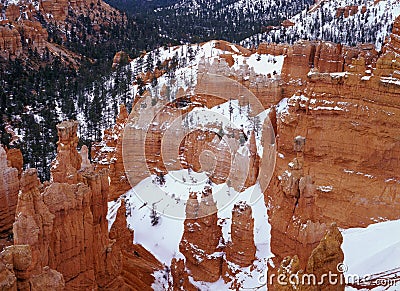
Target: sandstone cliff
322	271
107	154
330	128
9	187
203	256
60	232
335	121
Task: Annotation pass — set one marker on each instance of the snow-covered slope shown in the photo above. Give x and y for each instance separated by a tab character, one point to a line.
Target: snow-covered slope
156	211
371	23
181	65
373	250
223	19
264	9
163	238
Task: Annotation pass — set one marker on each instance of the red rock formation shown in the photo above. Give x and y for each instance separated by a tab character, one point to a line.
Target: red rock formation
226	46
343	162
180	278
394	43
136	264
120	58
321	272
9	186
108	155
272	48
325	259
322	57
35	35
64	168
85	165
201	238
15	262
287	23
10	42
21	26
58	8
241	250
47	280
328	58
341	167
12	12
205	151
347	11
363	9
14	157
65	223
254	162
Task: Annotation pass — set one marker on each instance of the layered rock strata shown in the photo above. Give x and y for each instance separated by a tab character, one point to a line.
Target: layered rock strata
203	256
321	272
60	232
345	170
9	187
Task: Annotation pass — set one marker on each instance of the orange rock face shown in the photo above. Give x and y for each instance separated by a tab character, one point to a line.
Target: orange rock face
62	231
201	239
15	262
341	168
241	250
9	186
323	57
12	12
62	222
35	35
64	168
14	157
180	278
135	264
10	43
59	8
337	138
321	272
108	155
394	43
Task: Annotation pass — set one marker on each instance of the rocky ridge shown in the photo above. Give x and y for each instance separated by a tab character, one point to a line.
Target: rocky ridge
41	26
60	232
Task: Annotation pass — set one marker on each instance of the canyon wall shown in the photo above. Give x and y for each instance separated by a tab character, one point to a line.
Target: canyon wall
9	187
337	146
336	118
335	113
60	232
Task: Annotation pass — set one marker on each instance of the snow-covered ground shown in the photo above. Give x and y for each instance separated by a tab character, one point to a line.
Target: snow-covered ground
369	27
163	239
368	250
372	250
194	59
